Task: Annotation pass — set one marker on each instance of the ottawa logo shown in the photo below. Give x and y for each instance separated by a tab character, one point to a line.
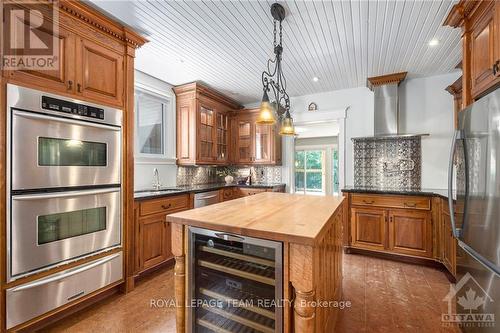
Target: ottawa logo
469	305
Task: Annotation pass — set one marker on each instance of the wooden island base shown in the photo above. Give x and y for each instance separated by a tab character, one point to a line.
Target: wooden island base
310	230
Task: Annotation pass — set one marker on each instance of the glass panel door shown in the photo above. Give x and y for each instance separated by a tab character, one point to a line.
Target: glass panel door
262	143
206	133
235	283
244	141
222	136
310	171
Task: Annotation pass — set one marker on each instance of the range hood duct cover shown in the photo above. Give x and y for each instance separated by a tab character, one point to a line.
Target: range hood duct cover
386	95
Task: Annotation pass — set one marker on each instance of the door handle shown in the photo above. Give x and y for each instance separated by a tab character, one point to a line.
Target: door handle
79	87
456	136
410	205
30	115
495	67
68	194
370	202
229	237
166	206
70	85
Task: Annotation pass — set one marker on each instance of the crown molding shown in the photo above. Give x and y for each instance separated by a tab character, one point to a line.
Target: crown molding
386	79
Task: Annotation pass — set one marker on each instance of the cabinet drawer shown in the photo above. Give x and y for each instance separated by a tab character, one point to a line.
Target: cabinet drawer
164	205
391	201
41	296
250	191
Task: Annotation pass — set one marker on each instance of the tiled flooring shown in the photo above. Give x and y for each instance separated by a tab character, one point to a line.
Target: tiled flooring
386	296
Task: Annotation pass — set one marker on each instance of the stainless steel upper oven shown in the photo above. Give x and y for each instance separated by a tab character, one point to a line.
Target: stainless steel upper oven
57	142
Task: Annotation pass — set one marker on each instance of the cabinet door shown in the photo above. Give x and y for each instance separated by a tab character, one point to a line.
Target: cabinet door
244	153
206	134
449	245
222	153
369	228
482	51
99	73
61	79
410	232
154	241
262	140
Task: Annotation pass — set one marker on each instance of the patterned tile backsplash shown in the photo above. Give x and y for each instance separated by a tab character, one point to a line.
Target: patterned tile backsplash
388	163
205	175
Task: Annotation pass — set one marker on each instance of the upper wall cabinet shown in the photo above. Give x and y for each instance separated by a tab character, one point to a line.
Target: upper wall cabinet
203	125
91	65
254	143
480	23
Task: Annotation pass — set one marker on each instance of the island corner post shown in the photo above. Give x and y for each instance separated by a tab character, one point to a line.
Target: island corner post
312	267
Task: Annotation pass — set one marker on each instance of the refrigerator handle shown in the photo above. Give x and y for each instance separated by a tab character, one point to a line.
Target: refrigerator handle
456	136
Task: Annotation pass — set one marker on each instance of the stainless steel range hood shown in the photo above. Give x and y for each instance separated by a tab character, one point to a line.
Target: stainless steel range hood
386	117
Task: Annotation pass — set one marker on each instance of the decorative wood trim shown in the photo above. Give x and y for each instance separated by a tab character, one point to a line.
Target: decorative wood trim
304	312
375	81
460	12
455	88
201	89
92	17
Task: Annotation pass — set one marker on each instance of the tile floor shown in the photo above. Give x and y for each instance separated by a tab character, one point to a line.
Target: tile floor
386	296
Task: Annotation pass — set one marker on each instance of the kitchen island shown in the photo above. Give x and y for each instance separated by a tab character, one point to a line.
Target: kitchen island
302	264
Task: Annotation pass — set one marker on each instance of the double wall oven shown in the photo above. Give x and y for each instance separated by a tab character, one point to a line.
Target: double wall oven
64	184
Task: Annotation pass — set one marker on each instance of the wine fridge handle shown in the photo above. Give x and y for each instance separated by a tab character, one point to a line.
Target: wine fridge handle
229	237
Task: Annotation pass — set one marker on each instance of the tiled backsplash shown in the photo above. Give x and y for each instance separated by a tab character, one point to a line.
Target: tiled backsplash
388	163
206	175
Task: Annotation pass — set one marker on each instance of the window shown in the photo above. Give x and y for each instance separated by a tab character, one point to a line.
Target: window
153	118
310	171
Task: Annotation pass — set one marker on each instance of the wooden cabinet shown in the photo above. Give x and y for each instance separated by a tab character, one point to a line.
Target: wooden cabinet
369	228
87	70
483	40
410	232
227	194
152	245
99	72
255	143
480	24
449	244
245	192
60	80
391	223
203	125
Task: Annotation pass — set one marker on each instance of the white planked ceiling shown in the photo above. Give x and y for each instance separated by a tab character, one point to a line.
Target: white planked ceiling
227	43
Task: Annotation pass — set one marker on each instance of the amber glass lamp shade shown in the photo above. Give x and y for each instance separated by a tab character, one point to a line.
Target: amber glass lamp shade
266	114
287	127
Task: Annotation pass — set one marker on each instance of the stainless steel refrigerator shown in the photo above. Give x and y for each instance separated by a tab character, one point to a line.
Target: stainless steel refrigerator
475	210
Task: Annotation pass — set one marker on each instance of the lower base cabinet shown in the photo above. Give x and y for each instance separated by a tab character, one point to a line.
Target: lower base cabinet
154	241
368	227
410	232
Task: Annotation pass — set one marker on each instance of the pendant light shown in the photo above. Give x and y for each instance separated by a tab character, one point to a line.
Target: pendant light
274	80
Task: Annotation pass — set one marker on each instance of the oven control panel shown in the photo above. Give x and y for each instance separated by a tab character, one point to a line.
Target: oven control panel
54	104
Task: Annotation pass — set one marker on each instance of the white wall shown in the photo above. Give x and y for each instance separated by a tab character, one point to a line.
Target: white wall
425	107
359	116
143	172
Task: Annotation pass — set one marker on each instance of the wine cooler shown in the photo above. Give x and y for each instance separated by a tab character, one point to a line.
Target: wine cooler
235	283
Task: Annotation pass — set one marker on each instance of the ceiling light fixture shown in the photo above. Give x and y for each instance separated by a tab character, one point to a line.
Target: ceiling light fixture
315	79
273	79
434	42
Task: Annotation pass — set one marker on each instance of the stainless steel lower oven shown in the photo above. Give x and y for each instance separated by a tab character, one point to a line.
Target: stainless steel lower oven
47	229
235	283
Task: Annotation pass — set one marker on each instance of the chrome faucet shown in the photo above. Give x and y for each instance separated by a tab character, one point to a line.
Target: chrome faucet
156	180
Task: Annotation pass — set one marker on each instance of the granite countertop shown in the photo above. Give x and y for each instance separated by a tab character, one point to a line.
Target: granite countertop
169	191
379	190
283	217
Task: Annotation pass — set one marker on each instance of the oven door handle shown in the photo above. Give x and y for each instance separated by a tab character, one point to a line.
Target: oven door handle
64	194
69	273
65	120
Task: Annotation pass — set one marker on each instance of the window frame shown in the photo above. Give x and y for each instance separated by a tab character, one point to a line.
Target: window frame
168	130
305	171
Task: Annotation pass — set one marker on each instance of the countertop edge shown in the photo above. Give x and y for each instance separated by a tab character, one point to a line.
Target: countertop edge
396	192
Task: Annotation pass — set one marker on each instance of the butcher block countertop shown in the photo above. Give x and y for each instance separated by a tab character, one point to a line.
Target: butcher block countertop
276	216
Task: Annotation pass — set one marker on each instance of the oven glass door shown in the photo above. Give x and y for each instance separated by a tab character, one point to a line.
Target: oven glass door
50	152
50	228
